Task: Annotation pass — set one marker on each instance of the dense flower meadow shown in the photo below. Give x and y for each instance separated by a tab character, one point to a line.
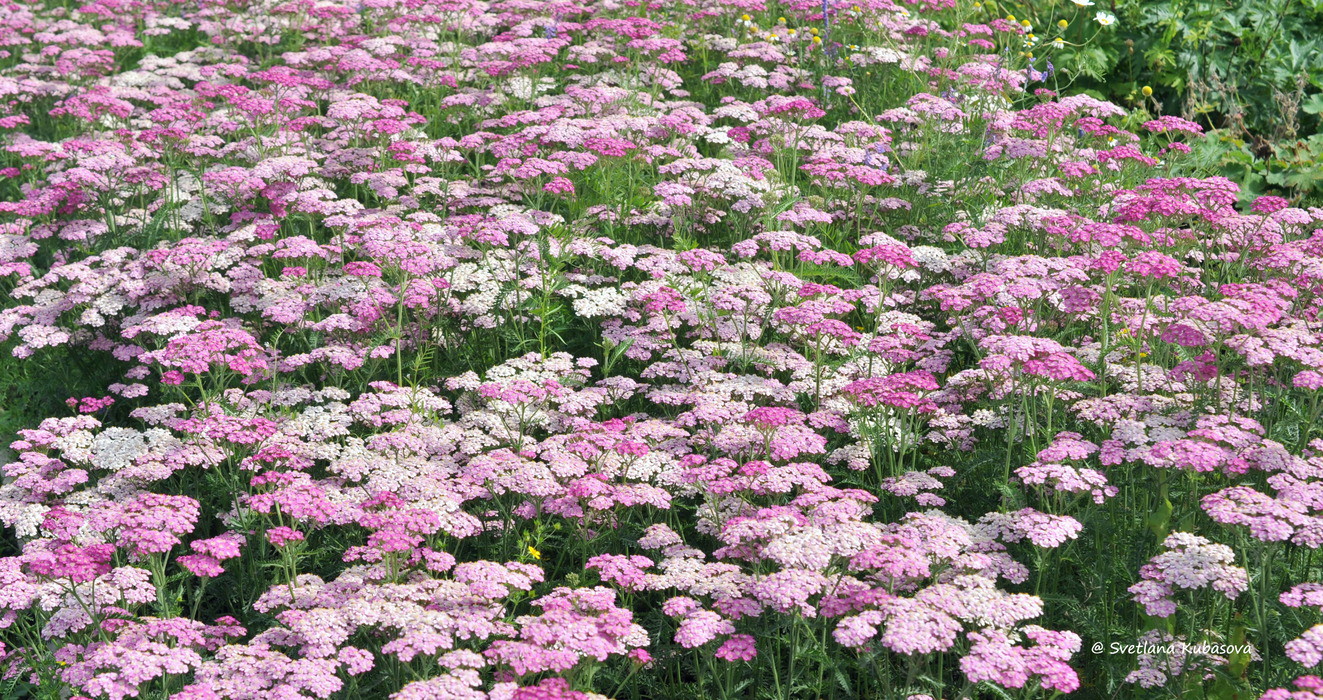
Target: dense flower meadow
559	349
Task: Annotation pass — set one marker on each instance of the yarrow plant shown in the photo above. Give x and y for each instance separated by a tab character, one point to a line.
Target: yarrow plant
573	350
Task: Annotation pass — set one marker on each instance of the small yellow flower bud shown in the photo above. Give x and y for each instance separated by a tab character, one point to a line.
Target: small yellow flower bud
1063	23
817	40
1148	91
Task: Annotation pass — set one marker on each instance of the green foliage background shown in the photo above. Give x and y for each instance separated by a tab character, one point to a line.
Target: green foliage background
1250	71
